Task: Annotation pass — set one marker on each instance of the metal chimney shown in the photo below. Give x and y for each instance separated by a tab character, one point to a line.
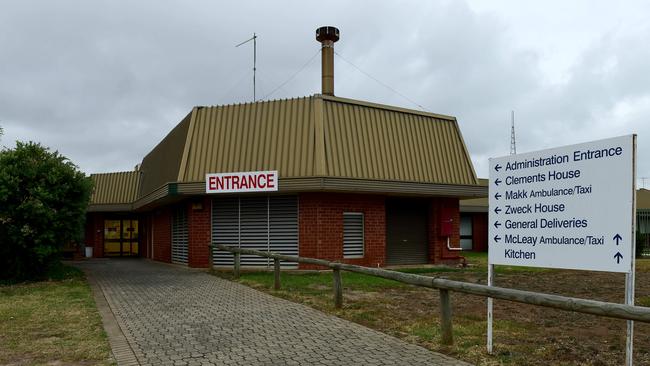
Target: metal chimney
327	36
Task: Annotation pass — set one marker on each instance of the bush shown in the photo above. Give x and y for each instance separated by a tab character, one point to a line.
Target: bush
43	199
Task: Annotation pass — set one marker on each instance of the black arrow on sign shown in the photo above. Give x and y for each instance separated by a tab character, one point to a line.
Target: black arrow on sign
497	224
618	257
618	238
497	196
497	238
497	181
497	210
497	167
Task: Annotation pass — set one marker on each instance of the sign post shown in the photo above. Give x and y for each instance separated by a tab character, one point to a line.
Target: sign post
570	207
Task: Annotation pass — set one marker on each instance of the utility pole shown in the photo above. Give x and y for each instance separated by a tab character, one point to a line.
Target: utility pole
513	142
254	39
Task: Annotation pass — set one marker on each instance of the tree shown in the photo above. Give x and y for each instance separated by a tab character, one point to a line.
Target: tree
43	199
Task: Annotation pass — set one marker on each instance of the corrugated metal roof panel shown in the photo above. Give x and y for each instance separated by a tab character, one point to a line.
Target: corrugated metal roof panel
277	135
369	142
163	163
326	136
115	188
318	136
642	198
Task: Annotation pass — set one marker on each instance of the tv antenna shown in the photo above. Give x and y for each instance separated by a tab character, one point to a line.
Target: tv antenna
513	141
254	39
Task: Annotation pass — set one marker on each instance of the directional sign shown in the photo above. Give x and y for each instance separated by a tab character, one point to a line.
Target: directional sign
567	207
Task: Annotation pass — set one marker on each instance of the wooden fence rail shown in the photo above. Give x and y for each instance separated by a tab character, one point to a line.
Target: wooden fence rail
594	307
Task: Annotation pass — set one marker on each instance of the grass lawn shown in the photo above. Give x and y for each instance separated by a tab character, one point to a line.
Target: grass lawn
53	322
523	334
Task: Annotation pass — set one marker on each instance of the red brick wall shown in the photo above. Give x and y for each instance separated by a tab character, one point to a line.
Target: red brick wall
443	208
162	234
479	232
199	226
321	226
94	233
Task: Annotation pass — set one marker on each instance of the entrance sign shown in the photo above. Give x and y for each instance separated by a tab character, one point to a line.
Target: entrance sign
263	181
569	207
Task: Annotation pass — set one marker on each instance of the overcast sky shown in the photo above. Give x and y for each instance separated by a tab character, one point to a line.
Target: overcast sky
103	81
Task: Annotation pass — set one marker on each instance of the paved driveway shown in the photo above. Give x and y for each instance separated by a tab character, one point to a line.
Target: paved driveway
176	316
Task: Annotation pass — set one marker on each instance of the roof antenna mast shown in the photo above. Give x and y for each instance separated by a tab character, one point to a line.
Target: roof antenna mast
254	39
513	142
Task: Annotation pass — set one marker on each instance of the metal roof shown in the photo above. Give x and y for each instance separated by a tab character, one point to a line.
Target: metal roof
643	198
317	136
324	136
114	188
161	165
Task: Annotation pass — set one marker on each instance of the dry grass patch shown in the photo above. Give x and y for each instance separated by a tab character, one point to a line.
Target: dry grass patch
52	322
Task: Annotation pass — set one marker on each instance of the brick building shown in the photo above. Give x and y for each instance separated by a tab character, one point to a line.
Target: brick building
354	181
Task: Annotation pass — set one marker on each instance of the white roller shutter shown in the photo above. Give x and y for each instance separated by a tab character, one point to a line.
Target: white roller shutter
225	228
262	223
283	227
179	236
253	229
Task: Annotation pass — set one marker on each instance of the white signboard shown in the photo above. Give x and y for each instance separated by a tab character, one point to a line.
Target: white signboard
567	207
263	181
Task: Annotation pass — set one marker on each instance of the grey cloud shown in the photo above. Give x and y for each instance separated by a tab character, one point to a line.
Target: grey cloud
104	81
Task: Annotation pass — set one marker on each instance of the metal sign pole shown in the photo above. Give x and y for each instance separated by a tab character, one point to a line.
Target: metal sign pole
629	277
490	281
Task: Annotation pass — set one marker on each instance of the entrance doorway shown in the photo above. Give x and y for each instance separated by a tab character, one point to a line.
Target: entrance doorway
406	232
121	238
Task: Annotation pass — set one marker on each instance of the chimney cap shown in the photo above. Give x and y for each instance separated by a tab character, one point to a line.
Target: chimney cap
327	33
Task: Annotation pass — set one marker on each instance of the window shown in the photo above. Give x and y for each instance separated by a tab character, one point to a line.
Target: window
352	235
466	239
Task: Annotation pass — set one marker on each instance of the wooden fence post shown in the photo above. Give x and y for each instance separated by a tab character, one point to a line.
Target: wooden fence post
276	270
338	288
445	318
237	264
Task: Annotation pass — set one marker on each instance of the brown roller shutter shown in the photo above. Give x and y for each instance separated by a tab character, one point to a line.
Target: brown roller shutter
406	232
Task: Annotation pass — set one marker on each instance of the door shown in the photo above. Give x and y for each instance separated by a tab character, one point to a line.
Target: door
121	238
112	238
406	232
466	241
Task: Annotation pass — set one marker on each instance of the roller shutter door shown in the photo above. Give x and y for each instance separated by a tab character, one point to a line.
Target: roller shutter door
260	223
406	233
225	228
253	229
283	227
179	236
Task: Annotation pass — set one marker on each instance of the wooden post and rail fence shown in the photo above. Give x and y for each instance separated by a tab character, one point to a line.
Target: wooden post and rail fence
593	307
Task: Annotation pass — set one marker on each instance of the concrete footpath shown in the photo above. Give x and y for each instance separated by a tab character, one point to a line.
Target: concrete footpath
158	314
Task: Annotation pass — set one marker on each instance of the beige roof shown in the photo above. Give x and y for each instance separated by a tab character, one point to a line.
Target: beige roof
318	136
476	204
114	188
643	198
344	141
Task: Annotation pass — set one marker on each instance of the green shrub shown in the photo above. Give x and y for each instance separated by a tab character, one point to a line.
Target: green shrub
43	199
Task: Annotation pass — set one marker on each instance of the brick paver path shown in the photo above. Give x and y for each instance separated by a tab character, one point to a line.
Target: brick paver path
176	316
